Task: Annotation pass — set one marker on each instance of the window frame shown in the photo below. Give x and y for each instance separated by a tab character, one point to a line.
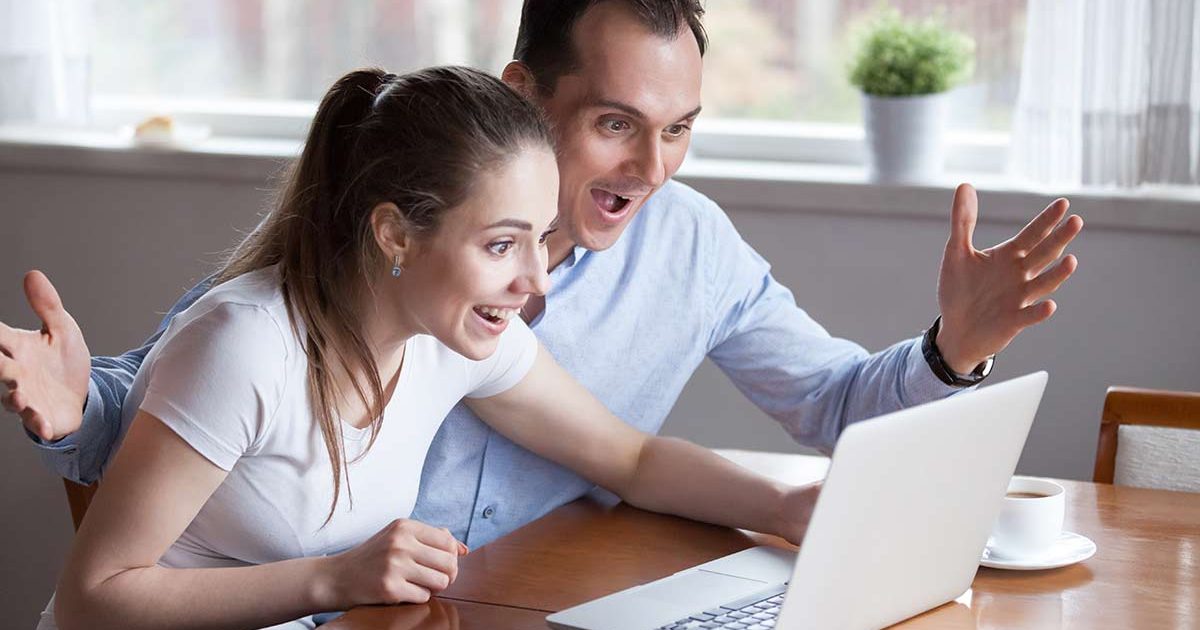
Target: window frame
717	139
833	144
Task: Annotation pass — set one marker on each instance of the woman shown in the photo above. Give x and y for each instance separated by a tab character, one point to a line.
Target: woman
282	420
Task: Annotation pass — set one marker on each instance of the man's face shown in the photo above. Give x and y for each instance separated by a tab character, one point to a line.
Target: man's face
622	119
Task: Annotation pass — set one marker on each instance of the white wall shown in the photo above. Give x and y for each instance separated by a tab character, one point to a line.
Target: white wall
121	248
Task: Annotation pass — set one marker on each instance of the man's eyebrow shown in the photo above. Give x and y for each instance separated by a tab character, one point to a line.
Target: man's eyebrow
692	114
637	113
512	223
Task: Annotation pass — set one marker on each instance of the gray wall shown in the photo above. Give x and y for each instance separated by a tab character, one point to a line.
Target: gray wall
121	248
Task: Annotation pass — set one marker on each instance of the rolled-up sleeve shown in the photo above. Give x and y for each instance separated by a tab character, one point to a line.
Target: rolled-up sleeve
789	366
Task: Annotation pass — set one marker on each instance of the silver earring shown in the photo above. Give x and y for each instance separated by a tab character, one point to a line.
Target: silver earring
396	267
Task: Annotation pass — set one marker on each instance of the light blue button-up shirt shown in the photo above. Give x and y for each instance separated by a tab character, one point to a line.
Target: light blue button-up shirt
631	323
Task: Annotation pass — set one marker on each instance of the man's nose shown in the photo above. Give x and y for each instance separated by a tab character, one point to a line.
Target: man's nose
648	164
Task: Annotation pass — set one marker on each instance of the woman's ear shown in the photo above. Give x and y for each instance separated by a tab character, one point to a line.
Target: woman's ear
391	236
519	77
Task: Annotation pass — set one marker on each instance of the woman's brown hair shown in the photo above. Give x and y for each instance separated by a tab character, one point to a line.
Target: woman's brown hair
419	141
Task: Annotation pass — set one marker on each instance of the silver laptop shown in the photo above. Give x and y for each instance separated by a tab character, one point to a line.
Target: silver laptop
898	529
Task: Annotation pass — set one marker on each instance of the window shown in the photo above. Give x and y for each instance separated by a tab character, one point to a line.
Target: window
774	84
286	49
786	59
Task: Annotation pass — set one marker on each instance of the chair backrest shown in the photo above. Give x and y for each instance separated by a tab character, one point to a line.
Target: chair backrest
1160	434
78	498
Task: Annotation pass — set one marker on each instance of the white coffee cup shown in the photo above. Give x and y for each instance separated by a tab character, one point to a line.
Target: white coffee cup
1029	524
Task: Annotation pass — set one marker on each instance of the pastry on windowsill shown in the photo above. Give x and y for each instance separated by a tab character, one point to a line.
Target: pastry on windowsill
155	129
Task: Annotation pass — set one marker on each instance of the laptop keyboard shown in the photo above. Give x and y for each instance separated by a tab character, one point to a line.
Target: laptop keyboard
754	612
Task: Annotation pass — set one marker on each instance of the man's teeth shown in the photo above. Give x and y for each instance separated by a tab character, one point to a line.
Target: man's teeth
499	313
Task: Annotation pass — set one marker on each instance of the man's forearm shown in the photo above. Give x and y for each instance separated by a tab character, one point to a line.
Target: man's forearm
82	454
681	478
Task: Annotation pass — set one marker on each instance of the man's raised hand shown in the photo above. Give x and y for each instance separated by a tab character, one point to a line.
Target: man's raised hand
987	297
45	371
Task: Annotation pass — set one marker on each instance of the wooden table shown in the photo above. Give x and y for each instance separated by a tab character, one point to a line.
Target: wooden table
1145	574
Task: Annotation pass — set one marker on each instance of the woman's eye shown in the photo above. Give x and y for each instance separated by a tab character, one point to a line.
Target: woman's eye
546	235
500	248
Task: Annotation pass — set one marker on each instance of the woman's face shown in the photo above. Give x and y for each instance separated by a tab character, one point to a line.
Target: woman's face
463	283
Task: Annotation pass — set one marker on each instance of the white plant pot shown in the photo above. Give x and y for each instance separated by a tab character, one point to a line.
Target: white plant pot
905	137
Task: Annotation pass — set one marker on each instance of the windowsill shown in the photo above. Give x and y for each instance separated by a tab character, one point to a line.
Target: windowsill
845	189
107	153
734	184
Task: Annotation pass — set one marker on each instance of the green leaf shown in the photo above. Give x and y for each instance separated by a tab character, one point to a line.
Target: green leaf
898	57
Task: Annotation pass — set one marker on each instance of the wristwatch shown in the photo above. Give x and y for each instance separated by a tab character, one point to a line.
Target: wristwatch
937	363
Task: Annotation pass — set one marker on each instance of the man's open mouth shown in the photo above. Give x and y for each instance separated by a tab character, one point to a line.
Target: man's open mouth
609	201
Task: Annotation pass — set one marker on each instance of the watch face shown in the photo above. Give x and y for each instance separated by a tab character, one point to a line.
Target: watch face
985	368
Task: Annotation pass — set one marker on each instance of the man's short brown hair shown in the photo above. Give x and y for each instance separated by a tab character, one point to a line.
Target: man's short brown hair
545	45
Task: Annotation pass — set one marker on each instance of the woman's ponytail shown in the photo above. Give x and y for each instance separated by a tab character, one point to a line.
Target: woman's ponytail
335	129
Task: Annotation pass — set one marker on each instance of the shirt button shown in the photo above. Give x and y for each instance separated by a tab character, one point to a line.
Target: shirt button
488	511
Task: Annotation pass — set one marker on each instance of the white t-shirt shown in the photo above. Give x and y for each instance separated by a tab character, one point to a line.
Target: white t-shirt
230	377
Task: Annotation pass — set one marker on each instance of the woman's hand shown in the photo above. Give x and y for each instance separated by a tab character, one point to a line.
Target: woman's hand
796	510
407	561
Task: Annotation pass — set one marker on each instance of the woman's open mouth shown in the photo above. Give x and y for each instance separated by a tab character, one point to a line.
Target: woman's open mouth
495	318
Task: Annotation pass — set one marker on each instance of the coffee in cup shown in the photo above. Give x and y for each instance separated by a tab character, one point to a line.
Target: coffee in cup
1025	495
1030	520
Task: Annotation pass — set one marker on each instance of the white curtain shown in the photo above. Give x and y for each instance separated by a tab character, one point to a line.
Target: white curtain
44	60
1110	93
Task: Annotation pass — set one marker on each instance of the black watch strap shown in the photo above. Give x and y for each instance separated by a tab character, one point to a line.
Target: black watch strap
937	363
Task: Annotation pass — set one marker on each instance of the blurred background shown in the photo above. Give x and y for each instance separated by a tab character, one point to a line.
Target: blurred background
1093	99
770	59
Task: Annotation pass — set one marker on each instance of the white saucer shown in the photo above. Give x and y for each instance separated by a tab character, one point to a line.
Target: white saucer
1068	549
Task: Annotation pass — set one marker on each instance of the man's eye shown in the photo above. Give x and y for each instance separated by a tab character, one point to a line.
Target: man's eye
677	130
546	235
500	248
616	126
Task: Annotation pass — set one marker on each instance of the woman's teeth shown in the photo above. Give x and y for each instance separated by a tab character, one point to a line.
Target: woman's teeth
499	314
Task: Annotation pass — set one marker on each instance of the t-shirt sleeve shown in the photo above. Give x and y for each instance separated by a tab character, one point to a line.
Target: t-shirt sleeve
218	379
508	365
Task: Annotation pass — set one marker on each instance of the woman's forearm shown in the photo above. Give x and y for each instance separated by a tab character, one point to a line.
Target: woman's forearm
681	478
235	597
154	488
549	413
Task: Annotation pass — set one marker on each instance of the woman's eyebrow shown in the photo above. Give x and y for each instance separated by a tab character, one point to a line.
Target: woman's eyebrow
513	223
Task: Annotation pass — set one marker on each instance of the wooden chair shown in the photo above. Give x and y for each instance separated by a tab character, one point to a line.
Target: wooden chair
79	497
1144	408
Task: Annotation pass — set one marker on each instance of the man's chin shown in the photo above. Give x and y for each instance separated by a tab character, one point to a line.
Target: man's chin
598	236
598	240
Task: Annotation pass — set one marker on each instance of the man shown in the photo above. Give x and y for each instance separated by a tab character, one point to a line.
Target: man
649	278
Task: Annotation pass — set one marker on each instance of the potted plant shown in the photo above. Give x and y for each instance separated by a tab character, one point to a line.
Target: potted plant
904	69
